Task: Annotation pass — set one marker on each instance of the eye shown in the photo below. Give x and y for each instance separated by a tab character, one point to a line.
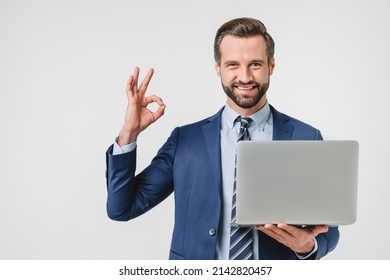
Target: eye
256	65
231	65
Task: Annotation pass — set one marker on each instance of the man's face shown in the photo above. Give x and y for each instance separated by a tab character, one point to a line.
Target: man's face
244	72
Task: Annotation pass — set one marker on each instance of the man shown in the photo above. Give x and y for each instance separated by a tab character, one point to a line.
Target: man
197	161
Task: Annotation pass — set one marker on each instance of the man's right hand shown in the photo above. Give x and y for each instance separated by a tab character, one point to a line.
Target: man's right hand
138	117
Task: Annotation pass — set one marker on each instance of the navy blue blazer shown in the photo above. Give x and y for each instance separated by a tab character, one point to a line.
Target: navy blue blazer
189	164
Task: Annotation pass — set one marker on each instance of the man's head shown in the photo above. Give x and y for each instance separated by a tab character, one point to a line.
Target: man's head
244	58
243	28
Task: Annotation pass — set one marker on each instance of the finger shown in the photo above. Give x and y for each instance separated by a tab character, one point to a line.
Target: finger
296	231
129	85
154	98
160	110
265	227
319	229
145	83
279	229
292	230
285	231
136	76
269	230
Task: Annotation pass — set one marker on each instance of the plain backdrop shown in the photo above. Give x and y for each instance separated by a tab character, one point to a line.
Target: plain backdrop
63	70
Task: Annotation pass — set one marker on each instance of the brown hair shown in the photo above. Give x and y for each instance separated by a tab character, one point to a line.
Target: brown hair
244	28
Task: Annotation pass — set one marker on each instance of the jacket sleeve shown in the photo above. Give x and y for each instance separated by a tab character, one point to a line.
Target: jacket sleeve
327	242
129	196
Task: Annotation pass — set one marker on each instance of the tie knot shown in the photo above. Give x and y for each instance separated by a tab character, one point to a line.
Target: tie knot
244	124
245	121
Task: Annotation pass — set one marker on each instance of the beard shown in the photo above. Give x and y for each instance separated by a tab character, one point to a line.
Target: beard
246	101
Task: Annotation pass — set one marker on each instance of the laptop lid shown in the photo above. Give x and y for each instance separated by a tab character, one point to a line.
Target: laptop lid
297	182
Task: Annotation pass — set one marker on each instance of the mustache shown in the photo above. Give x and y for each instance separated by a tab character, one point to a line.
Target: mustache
252	83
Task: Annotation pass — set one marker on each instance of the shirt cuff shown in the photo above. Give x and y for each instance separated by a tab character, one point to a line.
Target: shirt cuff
118	150
304	256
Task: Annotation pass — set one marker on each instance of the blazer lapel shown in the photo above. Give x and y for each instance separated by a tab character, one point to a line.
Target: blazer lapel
281	129
212	136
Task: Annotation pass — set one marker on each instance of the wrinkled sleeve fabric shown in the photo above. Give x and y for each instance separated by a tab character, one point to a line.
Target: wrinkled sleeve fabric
327	242
129	196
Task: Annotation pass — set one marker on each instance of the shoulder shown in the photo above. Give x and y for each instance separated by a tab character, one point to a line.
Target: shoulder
214	120
207	129
297	128
282	117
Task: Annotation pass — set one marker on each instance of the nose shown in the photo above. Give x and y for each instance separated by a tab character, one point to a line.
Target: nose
245	75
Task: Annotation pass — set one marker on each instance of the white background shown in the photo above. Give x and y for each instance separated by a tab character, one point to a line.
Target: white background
63	69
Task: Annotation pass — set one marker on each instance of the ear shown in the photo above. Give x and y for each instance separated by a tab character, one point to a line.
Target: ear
271	66
217	68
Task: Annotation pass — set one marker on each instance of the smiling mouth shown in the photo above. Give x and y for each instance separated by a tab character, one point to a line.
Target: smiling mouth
245	88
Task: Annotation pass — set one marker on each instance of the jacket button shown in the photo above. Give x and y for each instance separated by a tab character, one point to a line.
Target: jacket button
212	232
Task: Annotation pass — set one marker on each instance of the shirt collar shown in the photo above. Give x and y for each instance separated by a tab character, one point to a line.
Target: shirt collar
259	118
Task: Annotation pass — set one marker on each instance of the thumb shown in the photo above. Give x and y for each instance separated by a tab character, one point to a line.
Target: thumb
319	229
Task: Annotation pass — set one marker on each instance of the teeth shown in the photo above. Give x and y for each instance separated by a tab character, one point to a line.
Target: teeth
244	88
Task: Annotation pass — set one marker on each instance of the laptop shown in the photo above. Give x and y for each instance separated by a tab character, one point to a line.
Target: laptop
297	182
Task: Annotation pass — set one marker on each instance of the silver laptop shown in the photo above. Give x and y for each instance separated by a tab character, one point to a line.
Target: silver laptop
297	182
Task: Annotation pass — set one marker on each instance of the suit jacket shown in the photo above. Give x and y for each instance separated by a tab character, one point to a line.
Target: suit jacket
189	163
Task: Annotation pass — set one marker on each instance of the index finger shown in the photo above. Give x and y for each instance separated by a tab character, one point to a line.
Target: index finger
131	85
145	83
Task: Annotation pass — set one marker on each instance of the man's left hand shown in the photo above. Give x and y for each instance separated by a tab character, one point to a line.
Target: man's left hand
298	239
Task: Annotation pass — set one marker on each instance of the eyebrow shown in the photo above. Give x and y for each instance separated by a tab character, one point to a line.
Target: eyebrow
260	61
229	62
252	61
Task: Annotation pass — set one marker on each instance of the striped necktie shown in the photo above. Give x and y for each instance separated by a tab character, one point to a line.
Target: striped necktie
241	239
